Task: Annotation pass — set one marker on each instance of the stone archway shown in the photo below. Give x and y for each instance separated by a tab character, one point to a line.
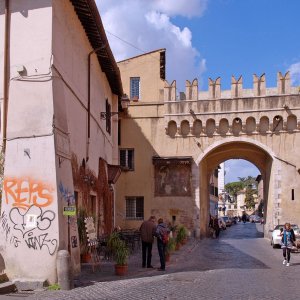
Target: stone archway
246	149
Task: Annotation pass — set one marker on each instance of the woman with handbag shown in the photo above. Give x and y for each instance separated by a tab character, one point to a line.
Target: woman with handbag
287	242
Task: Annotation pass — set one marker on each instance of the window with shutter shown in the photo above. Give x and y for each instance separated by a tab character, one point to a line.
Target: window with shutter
135	208
127	159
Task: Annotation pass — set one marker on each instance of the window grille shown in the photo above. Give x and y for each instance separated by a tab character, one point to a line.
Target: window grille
135	208
135	87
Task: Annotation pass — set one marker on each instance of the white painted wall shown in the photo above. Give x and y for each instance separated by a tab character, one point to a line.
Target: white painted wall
47	122
221	178
30	177
70	49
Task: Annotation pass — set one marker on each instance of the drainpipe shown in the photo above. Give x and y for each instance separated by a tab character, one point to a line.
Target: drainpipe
6	74
89	99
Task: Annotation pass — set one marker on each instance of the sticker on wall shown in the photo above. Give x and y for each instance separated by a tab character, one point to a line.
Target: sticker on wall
74	242
31	221
69	211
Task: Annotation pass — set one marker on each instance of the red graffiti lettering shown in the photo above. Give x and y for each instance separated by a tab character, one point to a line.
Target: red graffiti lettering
24	192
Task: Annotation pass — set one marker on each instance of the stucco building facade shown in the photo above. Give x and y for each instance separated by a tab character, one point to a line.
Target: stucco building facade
59	75
176	140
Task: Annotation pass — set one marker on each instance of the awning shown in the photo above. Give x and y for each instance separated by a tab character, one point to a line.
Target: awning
114	171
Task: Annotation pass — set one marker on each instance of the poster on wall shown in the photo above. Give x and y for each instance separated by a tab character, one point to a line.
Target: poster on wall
91	231
172	177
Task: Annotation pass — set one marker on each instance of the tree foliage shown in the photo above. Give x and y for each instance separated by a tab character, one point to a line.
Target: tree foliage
232	188
247	183
249	197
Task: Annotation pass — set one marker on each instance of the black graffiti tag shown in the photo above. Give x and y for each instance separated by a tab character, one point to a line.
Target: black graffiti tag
34	235
4	224
38	242
44	220
15	241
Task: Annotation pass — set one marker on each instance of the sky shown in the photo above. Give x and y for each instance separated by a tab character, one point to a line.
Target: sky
209	38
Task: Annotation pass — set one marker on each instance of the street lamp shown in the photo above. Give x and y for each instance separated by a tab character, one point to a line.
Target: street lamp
104	115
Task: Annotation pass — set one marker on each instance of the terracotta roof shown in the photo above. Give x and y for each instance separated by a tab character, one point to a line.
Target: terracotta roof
90	19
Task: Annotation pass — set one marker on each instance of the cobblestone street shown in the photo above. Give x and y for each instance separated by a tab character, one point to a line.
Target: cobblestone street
241	264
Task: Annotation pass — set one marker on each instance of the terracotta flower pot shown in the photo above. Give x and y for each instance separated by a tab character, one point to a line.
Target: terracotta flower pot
85	258
121	270
184	241
177	247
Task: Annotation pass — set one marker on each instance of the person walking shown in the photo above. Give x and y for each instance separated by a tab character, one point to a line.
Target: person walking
147	230
216	226
244	217
161	233
287	242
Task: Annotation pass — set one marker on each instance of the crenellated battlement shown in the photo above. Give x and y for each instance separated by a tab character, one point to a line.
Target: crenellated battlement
214	89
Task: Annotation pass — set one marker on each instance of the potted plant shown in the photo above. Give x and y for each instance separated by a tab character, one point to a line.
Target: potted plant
120	253
181	236
170	247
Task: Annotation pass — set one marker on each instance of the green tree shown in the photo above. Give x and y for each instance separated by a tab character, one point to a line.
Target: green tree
249	197
232	188
248	181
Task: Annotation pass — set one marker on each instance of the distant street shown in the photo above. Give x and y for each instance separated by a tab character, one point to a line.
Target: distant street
240	265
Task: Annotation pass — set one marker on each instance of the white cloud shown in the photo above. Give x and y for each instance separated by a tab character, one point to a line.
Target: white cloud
239	168
180	7
149	25
295	73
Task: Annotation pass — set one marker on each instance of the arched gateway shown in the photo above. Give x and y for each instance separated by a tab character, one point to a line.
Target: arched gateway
239	148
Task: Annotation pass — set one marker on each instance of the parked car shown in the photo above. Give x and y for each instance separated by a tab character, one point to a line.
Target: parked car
276	238
234	220
254	219
227	221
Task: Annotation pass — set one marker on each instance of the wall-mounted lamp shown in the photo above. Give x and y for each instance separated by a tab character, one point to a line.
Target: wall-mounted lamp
237	120
124	105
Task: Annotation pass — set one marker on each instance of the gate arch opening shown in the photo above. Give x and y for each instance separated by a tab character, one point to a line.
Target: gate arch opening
221	152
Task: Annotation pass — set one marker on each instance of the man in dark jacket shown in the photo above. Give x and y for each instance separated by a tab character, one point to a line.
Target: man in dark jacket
147	230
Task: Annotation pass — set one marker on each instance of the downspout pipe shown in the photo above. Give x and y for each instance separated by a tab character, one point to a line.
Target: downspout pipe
6	74
89	98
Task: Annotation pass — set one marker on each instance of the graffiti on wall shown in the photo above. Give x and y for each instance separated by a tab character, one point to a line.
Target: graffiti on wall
69	197
66	194
33	226
25	192
4	224
27	218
